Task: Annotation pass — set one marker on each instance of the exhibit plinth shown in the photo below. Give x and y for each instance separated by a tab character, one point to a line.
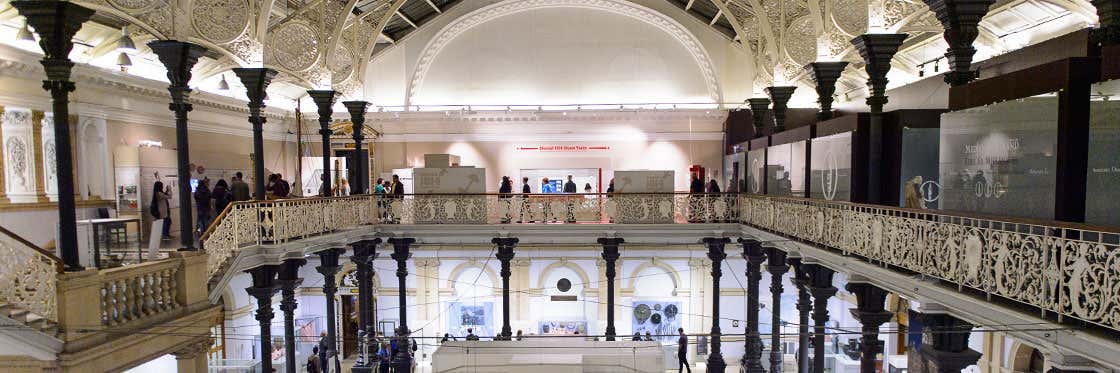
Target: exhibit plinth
540	356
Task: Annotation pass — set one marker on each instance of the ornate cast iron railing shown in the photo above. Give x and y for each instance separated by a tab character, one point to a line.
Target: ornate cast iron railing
1068	269
28	274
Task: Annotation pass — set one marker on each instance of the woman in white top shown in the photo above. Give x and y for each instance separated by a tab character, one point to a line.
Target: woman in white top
343	189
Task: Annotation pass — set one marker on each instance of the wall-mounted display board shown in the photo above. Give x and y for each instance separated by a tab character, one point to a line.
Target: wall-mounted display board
831	167
1000	158
1103	178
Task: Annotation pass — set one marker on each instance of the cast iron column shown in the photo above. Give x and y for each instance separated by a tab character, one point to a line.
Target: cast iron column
945	343
752	351
56	22
780	97
364	254
1108	18
716	254
960	19
179	58
610	255
289	280
877	51
505	255
825	75
820	285
357	111
324	100
256	80
329	267
758	114
401	255
777	266
869	310
264	287
804	305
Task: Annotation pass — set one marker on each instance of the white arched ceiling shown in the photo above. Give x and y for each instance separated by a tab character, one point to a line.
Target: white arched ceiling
546	52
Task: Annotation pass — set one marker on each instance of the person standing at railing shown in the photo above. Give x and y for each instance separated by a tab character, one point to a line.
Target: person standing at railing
379	195
397	192
695	200
505	191
570	188
546	206
343	188
161	208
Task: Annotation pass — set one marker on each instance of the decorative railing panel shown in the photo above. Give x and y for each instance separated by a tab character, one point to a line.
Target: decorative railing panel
28	275
134	293
1070	270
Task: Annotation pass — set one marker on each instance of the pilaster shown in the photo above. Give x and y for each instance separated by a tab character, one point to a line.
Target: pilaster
19	158
46	170
39	168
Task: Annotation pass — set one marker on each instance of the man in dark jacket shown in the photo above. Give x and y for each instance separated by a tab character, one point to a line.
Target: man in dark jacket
570	187
239	189
682	351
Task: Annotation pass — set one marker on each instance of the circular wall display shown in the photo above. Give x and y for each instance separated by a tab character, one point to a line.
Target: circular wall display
564	285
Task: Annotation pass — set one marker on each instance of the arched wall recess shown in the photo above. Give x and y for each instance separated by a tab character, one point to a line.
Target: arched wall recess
669	26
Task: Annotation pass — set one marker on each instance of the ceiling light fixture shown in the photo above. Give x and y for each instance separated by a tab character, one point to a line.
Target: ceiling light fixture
123	61
125	43
223	85
25	34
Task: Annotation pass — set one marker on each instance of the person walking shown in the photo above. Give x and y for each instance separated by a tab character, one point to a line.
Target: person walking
384	357
202	204
570	188
322	348
695	198
239	190
682	351
221	196
525	191
505	193
313	361
161	207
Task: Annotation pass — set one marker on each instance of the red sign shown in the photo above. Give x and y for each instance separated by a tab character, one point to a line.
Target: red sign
565	148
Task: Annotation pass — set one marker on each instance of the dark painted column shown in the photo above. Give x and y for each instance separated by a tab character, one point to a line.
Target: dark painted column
780	97
289	280
401	255
869	310
264	287
505	255
825	75
804	305
364	254
777	266
256	80
717	254
820	285
357	111
752	352
960	19
178	57
329	267
877	51
402	362
610	255
324	100
945	343
56	22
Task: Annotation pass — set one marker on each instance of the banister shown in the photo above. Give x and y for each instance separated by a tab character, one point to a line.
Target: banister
57	261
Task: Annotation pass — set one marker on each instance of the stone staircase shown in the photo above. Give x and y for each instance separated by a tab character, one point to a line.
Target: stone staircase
29	319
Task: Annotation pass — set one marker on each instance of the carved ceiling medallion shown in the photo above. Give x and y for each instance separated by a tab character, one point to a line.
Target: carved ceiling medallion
220	21
137	6
294	46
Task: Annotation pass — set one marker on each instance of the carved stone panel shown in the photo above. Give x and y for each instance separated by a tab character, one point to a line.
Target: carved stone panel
50	168
18	155
220	21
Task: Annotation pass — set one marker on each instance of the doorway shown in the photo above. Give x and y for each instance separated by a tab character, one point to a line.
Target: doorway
349	325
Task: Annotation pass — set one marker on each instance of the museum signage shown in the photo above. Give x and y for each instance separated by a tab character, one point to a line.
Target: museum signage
564	148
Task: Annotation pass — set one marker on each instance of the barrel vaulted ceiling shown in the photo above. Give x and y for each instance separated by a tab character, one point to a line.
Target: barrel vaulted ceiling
306	39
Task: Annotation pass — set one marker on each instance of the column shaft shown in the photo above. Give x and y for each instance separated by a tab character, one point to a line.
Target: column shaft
717	254
329	267
264	287
289	280
610	255
752	354
871	313
505	255
804	305
820	285
777	267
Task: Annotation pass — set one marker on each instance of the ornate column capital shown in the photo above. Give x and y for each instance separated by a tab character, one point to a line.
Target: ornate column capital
780	97
960	19
945	343
877	51
758	113
825	75
193	349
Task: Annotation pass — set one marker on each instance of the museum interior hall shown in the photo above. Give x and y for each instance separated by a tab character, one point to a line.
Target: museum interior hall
559	186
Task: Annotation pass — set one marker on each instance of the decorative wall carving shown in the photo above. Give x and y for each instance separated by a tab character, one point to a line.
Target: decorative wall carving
135	6
50	168
220	21
18	155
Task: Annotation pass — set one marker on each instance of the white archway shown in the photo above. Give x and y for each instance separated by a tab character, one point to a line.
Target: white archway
628	9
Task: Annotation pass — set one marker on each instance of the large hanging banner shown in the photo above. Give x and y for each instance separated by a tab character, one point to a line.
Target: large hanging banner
659	318
477	316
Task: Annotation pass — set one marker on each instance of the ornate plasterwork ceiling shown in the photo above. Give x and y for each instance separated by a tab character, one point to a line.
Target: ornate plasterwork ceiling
313	41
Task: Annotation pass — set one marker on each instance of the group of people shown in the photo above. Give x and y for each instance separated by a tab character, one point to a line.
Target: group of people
208	202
